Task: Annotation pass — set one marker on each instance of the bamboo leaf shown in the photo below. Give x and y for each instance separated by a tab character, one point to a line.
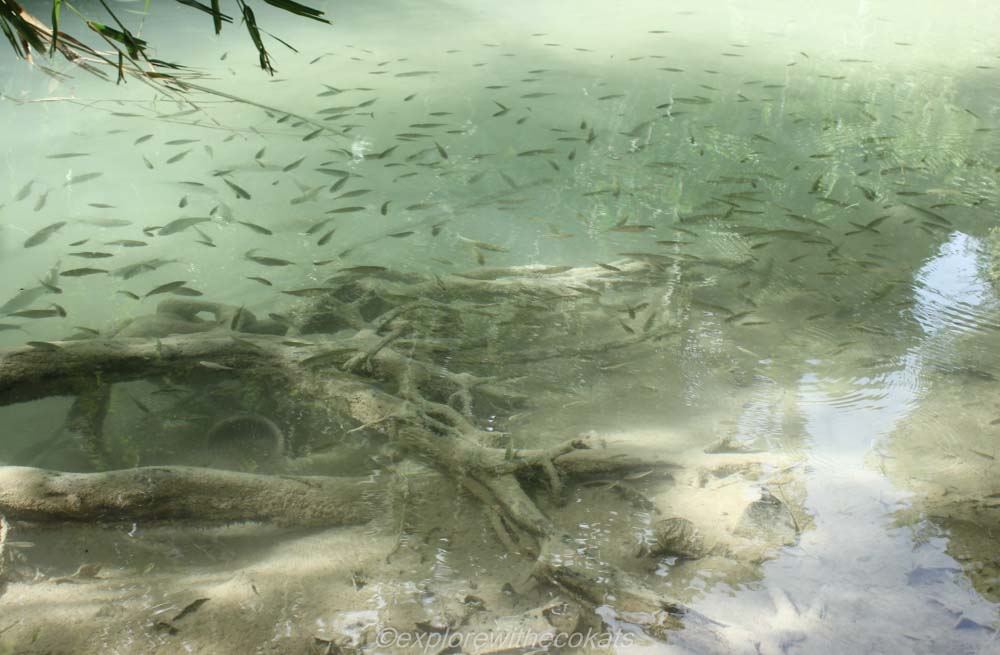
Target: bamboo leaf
281	41
200	6
28	33
56	6
217	16
298	9
134	44
10	37
258	42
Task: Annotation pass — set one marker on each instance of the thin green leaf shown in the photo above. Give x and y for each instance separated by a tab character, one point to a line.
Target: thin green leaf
298	9
258	42
28	33
200	6
10	37
281	41
56	6
134	44
216	16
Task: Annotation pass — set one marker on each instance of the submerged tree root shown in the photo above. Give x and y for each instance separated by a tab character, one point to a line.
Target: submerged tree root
385	382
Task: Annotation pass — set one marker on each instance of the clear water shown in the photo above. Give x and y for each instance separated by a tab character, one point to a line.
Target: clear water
828	173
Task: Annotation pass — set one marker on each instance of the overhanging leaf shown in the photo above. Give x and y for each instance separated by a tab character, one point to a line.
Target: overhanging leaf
216	16
129	41
134	44
27	32
200	6
56	6
298	9
258	42
14	44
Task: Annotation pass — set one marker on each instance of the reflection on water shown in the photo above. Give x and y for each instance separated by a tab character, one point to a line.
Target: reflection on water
809	195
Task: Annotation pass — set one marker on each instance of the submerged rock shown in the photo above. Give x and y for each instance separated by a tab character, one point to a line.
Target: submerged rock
677	537
768	519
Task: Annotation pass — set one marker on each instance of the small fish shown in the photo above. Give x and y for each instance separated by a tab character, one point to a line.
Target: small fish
131	295
537	151
384	209
311	292
40	203
264	281
144	138
259	229
132	270
40	313
214	367
266	261
42	235
126	243
308	195
84	177
323	240
180	224
364	269
80	272
295	164
353	194
237	189
622	227
235	322
24	192
50	286
166	288
335	172
44	345
313	229
106	222
336	186
482	245
68	155
400	235
382	155
179	156
345	210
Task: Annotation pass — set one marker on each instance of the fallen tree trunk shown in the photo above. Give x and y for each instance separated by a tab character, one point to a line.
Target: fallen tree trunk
167	493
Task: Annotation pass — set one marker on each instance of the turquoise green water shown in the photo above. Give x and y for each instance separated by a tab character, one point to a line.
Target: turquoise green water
817	185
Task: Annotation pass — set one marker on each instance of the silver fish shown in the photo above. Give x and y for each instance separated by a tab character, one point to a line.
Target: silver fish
27	297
